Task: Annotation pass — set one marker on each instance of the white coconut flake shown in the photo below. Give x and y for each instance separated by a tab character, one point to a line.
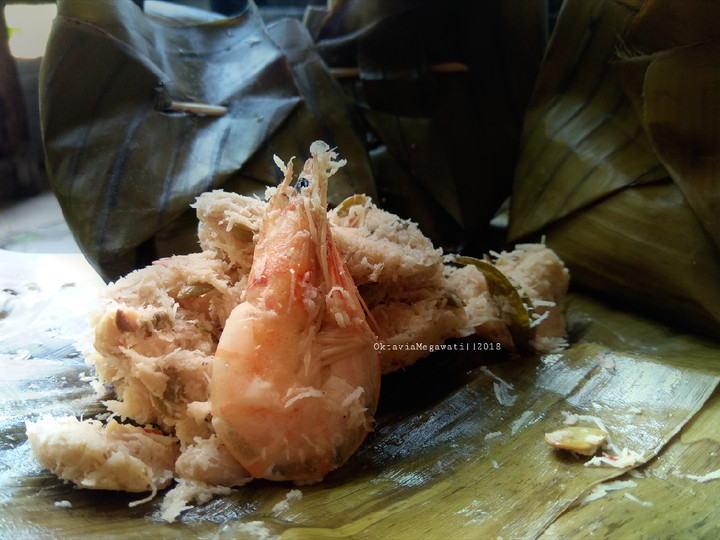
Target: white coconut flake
633	498
626	458
536	320
603	489
280	164
714	475
284	505
63	504
254	529
352	396
295	394
502	389
493	435
520	422
177	500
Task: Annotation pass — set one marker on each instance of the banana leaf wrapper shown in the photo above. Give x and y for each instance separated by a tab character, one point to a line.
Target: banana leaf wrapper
446	457
125	164
423	74
620	154
323	113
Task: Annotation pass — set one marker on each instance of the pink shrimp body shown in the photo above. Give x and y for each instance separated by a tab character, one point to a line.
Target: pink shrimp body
296	374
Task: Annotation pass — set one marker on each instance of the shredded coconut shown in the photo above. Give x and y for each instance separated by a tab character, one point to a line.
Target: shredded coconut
302	393
177	500
353	396
714	475
284	505
603	489
502	389
635	499
626	458
537	319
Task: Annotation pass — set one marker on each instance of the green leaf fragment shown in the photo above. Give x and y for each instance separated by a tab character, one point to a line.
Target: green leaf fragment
242	232
507	299
344	207
194	290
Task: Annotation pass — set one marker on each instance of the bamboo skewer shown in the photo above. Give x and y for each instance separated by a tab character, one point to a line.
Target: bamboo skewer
197	108
444	67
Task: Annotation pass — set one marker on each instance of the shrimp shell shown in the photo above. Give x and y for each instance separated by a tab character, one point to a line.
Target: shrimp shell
296	375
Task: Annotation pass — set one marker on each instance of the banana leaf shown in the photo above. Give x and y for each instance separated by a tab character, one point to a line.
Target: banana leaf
661	494
323	114
123	160
171	104
620	152
446	459
441	86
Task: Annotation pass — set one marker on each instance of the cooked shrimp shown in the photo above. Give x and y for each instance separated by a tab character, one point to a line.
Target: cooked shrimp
296	374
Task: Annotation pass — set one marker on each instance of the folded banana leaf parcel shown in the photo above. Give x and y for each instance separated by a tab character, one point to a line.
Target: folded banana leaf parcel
142	111
619	166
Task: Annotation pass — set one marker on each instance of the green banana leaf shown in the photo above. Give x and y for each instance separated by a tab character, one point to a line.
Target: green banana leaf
661	494
446	459
122	161
441	86
323	114
142	112
620	153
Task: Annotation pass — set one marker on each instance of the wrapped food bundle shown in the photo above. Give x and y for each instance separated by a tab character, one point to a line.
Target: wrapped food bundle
620	153
229	93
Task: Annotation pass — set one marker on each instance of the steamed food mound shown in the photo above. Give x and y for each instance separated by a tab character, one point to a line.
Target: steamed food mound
228	223
379	247
538	275
400	276
112	456
157	335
